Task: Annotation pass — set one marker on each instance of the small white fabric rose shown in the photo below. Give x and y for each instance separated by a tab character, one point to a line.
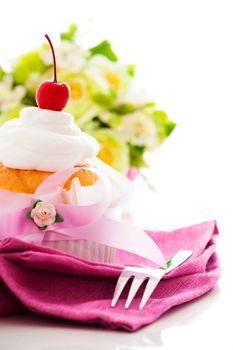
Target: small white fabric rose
43	214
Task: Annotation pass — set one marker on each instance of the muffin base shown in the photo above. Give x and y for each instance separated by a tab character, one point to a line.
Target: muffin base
83	249
89	250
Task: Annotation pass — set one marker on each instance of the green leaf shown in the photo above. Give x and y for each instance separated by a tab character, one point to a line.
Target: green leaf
164	125
170	127
127	108
58	218
28	215
101	123
36	202
113	151
10	114
91	125
150	105
108	120
26	65
2	73
42	228
161	117
136	156
29	101
124	109
105	49
131	69
71	34
105	101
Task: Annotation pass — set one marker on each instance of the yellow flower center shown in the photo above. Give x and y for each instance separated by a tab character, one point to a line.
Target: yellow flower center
76	90
113	80
105	154
141	128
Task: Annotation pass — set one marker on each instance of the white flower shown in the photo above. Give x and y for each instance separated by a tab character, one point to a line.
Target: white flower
138	129
79	88
81	104
34	80
134	95
107	74
68	56
10	97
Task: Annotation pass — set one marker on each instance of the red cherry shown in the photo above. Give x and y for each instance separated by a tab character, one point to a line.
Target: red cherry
51	94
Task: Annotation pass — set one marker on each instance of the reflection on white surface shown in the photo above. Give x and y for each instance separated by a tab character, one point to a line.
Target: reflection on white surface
34	332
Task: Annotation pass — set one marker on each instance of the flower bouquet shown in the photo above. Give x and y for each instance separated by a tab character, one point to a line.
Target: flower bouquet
104	100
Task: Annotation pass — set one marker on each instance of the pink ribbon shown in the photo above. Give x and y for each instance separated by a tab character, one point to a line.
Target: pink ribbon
80	222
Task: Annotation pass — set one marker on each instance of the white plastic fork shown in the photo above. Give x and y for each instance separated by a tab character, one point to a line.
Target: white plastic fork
140	274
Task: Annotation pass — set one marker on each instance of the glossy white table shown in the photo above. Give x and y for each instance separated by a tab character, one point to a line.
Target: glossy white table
195	325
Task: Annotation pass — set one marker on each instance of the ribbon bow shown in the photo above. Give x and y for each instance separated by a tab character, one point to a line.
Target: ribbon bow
88	222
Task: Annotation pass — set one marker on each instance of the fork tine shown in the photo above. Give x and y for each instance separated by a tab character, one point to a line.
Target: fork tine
176	260
150	287
123	279
133	290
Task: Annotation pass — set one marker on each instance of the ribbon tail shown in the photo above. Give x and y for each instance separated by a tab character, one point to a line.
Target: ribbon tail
118	235
130	238
36	238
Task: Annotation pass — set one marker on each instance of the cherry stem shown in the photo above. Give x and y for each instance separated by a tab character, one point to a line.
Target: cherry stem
54	59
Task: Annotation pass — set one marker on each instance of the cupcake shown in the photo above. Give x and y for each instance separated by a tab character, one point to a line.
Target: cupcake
40	142
44	140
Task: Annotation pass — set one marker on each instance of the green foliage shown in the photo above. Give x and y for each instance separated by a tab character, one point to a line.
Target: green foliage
124	108
58	218
164	125
36	202
131	70
127	108
170	126
113	151
109	120
29	100
8	115
28	215
2	73
26	65
105	49
136	156
71	34
104	100
42	228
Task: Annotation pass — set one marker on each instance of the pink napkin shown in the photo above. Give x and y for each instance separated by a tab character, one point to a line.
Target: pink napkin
59	285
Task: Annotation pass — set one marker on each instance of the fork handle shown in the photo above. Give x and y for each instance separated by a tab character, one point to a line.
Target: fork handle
179	258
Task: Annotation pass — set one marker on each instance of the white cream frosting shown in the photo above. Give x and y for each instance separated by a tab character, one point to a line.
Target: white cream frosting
46	140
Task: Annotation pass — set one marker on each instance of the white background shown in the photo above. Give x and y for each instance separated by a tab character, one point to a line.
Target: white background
184	57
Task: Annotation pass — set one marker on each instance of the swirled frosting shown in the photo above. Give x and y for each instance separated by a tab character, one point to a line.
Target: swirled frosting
46	140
